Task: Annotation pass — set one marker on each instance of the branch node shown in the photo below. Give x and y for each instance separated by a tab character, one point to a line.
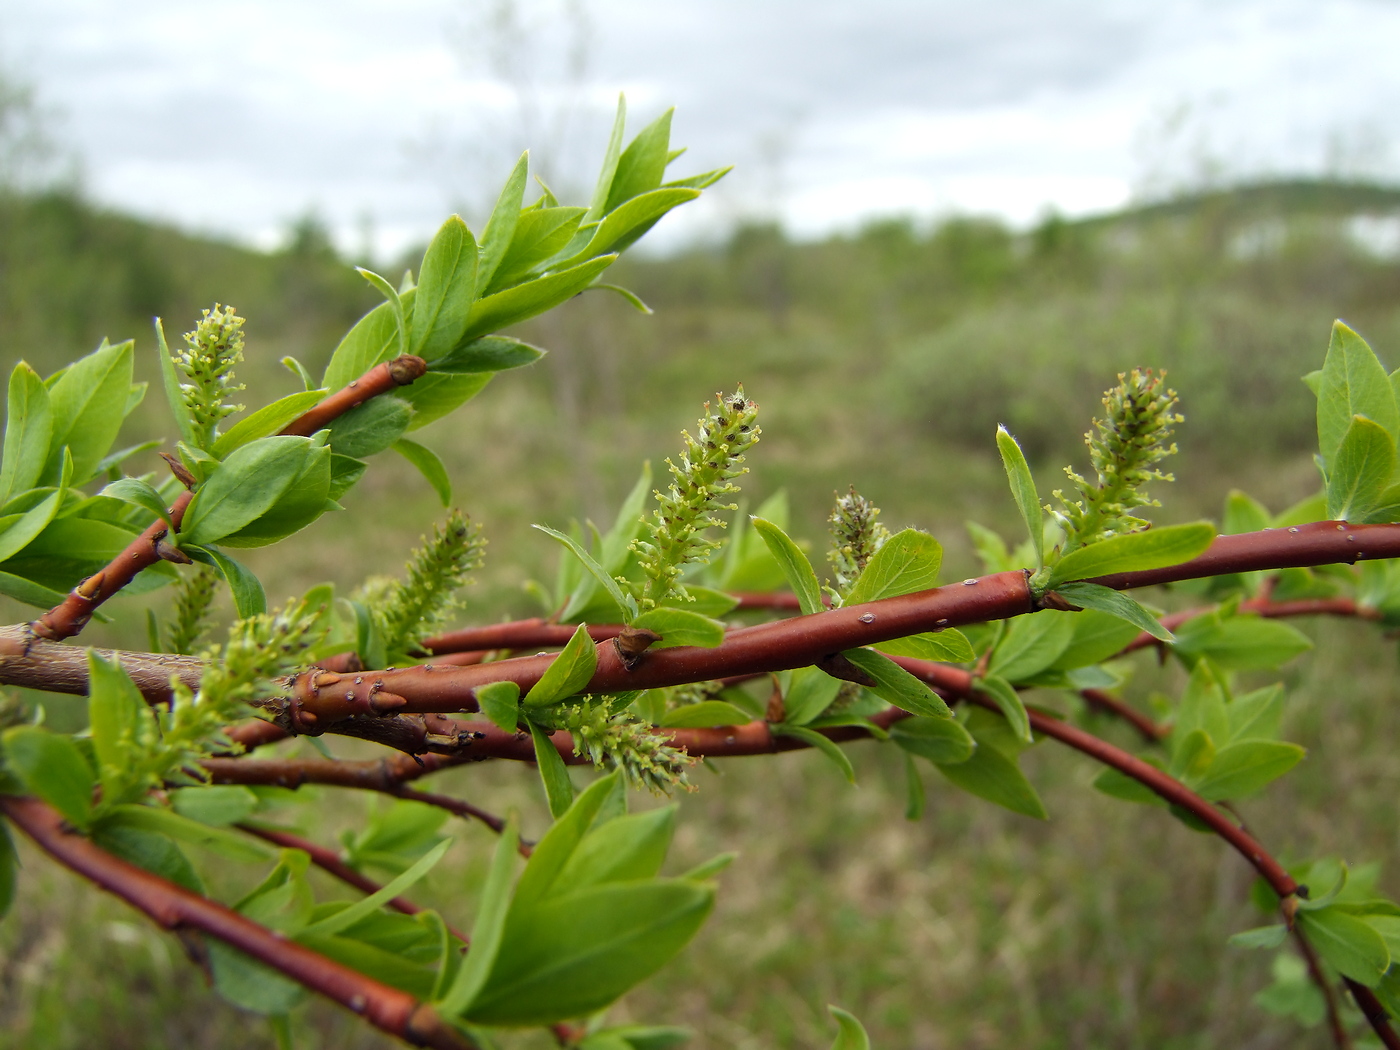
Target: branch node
632	643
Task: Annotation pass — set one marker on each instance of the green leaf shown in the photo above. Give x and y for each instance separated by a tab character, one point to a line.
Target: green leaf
52	767
1260	937
642	165
822	743
248	596
28	431
1031	644
1018	475
140	493
852	1034
27	591
116	711
602	192
447	283
490	353
304	500
1256	715
18	531
1353	383
1154	548
345	471
1192	754
705	714
940	740
148	850
216	804
1119	785
1008	701
625	602
488	928
568	674
397	307
1097	637
990	775
347	917
801	577
267	420
896	686
1347	943
1242	769
155	819
681	627
1240	643
428	464
1115	603
807	692
947	646
524	301
170	381
9	870
371	427
243	487
914	795
500	703
500	227
626	223
292	365
907	562
89	404
624	849
558	788
573	955
1244	513
552	852
1360	471
539	235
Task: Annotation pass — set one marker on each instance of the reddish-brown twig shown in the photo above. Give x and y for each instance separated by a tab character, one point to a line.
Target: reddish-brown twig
380	379
1148	729
1340	1035
176	908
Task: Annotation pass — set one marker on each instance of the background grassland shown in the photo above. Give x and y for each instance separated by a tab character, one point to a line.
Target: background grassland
884	359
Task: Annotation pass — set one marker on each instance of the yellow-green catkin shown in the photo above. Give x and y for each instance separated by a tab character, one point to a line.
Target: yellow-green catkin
415	607
856	534
1124	448
210	353
700	481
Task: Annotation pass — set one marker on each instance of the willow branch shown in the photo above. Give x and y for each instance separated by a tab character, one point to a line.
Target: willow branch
72	614
1101	701
1340	1036
176	908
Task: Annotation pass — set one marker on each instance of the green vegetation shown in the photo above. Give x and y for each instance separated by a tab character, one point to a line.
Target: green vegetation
887	358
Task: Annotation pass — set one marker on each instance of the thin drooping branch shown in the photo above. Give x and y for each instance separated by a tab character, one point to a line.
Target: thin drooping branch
1101	701
1375	1013
72	614
176	908
1340	1036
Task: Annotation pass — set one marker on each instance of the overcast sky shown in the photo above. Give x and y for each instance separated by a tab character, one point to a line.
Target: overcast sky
236	116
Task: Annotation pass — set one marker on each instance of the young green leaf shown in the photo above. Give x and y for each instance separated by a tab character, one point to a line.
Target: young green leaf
1008	701
642	165
490	353
1239	643
365	906
216	804
1031	644
500	703
1260	937
18	531
625	602
28	431
428	464
1352	383
989	774
1244	768
9	865
155	819
488	927
242	488
266	421
907	562
1136	551
116	710
945	646
573	955
558	788
541	877
822	743
942	741
447	284
500	227
139	493
568	674
703	715
52	767
807	692
896	686
801	577
170	381
914	795
1023	491
524	301
249	598
539	235
1360	471
852	1033
89	403
681	627
1115	603
598	206
1347	942
623	849
395	302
